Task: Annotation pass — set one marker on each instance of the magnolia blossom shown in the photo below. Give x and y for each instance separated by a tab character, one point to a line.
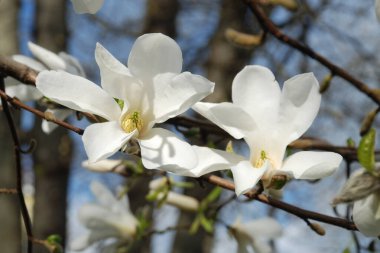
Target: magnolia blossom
255	234
269	120
110	217
363	188
178	200
151	90
45	60
87	6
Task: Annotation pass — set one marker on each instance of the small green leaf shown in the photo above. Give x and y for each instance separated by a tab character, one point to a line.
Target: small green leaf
54	239
195	225
207	224
351	143
366	151
213	195
346	250
120	103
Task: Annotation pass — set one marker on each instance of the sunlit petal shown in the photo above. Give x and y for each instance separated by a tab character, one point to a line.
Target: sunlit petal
162	149
300	103
231	118
312	165
77	93
101	140
174	94
256	90
246	176
154	54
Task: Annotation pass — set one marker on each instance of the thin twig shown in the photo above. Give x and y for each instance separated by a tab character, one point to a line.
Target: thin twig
17	148
299	212
8	191
270	27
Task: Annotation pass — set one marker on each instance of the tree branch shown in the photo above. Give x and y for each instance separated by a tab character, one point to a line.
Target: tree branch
270	27
17	152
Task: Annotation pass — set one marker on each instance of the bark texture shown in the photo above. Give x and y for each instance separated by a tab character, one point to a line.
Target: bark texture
10	226
52	157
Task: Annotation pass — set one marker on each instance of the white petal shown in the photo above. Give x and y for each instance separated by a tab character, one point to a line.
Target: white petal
116	78
101	140
265	227
60	114
183	202
87	6
72	64
23	92
300	103
364	214
94	216
80	243
258	93
102	166
246	176
50	59
174	94
154	54
210	160
162	149
30	62
231	118
77	93
312	165
103	195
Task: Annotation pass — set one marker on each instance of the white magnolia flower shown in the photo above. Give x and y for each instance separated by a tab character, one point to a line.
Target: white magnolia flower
364	189
269	120
151	90
106	165
255	234
178	200
108	218
87	6
45	60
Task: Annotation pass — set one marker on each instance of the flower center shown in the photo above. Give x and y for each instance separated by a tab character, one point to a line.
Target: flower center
132	121
260	162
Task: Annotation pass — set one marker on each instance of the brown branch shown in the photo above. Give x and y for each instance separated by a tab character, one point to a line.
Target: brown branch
8	191
17	153
17	70
17	103
270	27
299	212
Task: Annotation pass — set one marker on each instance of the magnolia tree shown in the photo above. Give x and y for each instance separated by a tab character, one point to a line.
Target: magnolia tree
145	120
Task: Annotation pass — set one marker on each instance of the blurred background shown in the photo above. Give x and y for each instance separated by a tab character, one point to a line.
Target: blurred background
346	32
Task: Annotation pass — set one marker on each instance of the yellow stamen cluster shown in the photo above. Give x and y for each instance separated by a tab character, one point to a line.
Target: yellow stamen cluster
260	162
132	121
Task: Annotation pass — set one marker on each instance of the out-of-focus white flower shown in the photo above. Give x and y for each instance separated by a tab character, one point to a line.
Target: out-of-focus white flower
255	234
178	200
269	120
106	165
45	60
151	90
87	6
108	218
377	9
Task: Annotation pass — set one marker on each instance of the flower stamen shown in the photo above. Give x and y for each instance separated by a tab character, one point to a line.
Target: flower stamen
260	162
132	121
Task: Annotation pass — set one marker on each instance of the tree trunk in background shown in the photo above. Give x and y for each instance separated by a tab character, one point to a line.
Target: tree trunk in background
226	60
10	228
52	157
